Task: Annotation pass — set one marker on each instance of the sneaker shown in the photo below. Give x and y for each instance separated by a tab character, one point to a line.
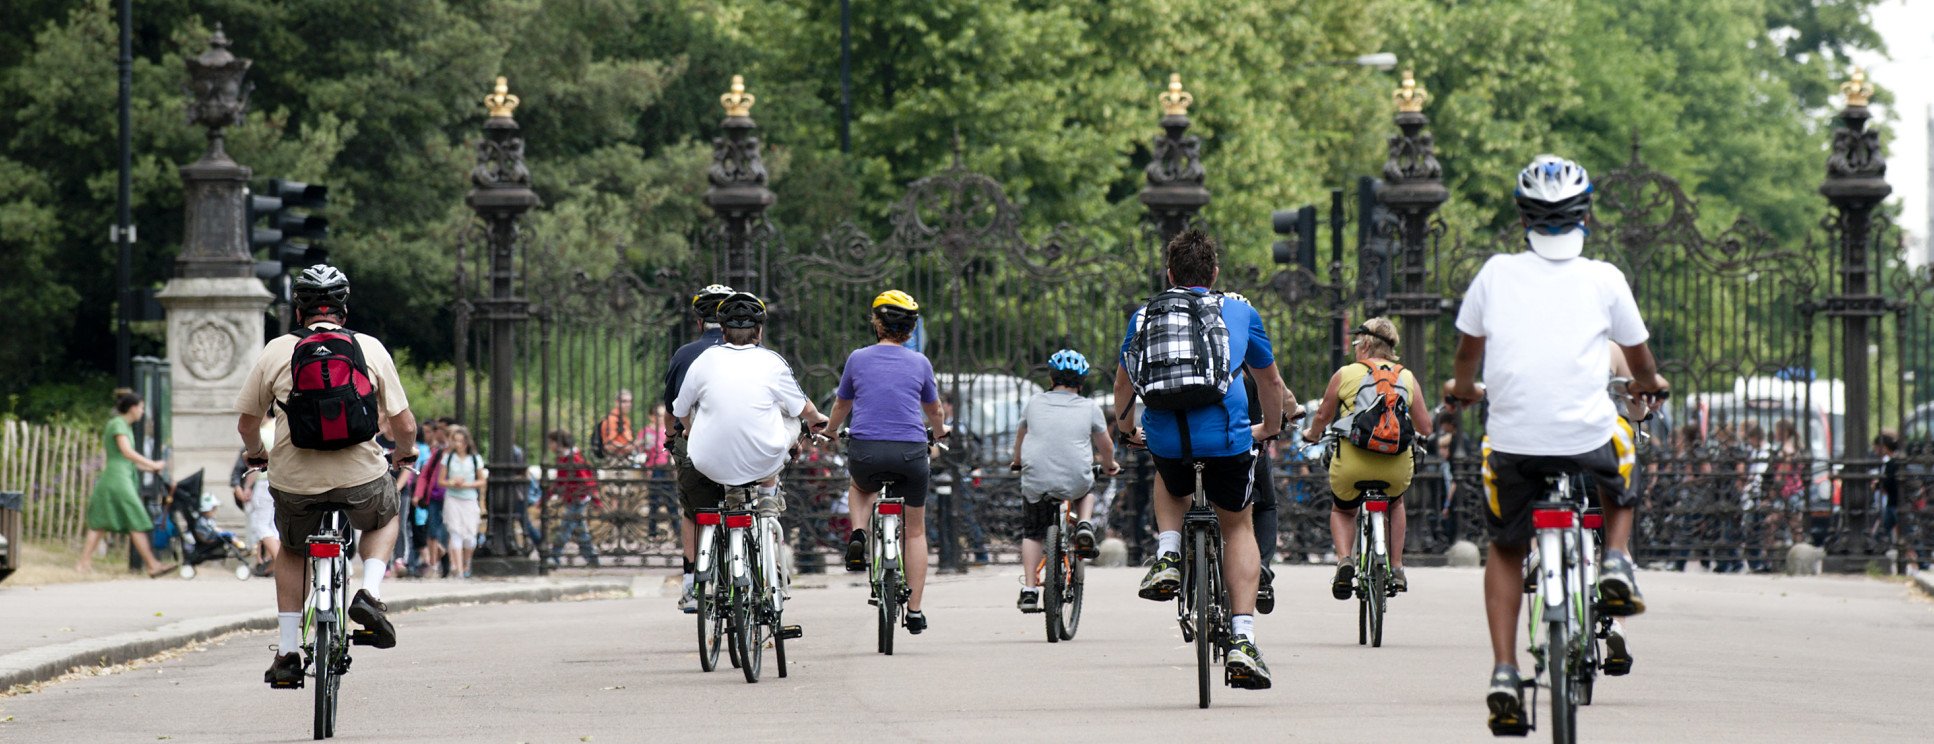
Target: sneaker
262	570
370	613
1084	541
1618	658
1345	582
916	622
285	673
1030	601
856	551
1266	591
1618	589
1164	578
1397	581
1506	701
1244	668
687	603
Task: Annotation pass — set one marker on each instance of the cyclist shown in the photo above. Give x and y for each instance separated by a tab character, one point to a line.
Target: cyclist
1061	434
693	486
739	405
1375	346
300	480
886	388
1220	437
1538	322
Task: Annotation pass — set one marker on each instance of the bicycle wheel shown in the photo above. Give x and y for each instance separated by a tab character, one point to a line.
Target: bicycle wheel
779	643
750	638
1564	708
1379	585
1204	635
1071	597
711	625
325	650
889	608
1051	585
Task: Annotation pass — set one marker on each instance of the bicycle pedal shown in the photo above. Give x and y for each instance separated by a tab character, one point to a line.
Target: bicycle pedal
362	638
874	601
790	632
296	685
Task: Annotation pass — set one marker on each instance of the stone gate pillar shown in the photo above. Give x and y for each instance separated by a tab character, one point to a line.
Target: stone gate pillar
214	302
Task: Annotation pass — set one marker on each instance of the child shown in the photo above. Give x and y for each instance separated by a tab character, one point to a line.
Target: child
1061	433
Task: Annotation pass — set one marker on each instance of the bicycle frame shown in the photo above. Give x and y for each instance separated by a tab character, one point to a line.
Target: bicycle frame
1561	605
885	538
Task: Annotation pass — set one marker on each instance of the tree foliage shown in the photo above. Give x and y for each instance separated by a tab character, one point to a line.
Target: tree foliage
380	101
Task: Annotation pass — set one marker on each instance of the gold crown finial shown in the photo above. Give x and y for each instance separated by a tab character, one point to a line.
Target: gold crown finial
1857	90
1175	101
1411	97
737	102
501	102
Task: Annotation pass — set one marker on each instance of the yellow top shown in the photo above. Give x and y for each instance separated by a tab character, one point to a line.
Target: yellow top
737	102
1411	96
1350	382
1175	101
501	102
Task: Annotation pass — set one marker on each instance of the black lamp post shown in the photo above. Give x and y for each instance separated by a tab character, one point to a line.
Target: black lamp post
1856	183
738	195
1413	189
1175	195
500	195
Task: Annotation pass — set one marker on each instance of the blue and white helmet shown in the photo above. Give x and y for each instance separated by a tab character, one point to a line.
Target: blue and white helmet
1068	360
1554	197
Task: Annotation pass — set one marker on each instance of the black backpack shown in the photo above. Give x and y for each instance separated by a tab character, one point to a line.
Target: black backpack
596	439
332	404
1179	356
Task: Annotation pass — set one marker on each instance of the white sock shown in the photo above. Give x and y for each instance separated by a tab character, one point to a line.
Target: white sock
1168	542
291	625
1243	625
689	581
373	569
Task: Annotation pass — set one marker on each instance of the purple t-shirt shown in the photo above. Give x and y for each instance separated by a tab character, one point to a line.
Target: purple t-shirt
887	384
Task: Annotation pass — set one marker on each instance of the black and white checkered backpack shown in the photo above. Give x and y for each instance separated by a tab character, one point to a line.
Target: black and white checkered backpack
1179	358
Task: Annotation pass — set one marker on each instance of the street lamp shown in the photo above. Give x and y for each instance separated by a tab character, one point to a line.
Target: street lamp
1381	60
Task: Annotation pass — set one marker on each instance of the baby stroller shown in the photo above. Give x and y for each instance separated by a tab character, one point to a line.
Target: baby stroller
201	540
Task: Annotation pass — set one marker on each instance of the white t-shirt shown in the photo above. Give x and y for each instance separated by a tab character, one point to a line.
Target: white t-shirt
744	404
1545	325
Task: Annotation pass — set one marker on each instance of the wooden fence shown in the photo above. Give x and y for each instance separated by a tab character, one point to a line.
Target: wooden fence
55	467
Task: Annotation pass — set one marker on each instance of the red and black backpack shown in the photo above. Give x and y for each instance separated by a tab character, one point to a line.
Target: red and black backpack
333	403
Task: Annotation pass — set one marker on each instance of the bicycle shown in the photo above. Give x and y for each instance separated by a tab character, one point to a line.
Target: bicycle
885	564
1373	573
744	608
1062	573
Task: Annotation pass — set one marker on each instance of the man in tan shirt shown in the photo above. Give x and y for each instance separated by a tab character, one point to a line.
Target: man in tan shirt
301	480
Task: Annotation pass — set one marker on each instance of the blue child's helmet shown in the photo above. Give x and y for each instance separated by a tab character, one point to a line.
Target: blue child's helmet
1068	360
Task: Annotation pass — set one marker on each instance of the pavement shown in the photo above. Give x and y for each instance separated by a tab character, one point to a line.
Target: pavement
1719	658
48	630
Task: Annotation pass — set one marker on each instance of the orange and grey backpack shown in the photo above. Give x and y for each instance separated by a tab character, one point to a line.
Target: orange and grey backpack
1381	419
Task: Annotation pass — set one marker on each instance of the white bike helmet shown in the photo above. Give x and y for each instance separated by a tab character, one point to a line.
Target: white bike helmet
1554	198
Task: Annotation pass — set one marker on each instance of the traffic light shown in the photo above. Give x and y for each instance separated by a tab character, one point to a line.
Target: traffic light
1301	248
282	223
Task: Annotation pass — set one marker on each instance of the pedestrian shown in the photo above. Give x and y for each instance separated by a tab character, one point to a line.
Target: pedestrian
265	541
428	498
576	488
463	474
115	505
614	438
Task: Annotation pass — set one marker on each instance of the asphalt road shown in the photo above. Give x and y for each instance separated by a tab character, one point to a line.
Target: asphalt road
1718	659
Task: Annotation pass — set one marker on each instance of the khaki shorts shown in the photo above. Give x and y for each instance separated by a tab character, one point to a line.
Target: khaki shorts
370	506
695	491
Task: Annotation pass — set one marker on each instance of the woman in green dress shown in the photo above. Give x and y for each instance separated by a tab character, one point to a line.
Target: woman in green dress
116	503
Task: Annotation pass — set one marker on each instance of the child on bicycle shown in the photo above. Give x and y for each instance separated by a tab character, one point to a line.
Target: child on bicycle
1061	434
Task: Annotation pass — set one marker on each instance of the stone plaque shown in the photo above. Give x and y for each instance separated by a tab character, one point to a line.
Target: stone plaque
211	350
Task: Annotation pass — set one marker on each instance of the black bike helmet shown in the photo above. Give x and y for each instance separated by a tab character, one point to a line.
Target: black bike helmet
321	289
706	302
742	310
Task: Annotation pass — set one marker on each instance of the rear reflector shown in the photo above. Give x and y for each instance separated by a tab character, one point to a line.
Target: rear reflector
325	550
1552	519
1594	521
1377	506
890	508
738	520
709	519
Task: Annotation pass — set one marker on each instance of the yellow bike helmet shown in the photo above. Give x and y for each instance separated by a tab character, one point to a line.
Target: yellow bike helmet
896	310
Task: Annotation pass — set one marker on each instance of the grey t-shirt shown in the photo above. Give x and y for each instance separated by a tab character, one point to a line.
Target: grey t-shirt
1058	455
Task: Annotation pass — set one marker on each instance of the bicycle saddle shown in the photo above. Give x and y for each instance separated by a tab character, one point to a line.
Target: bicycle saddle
1372	485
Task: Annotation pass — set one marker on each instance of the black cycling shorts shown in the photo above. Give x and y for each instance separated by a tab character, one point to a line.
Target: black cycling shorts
1037	515
1513	482
868	459
1229	480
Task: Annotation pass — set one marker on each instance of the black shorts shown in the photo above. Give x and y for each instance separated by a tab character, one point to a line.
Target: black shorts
1229	480
868	459
1037	515
1513	482
695	491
